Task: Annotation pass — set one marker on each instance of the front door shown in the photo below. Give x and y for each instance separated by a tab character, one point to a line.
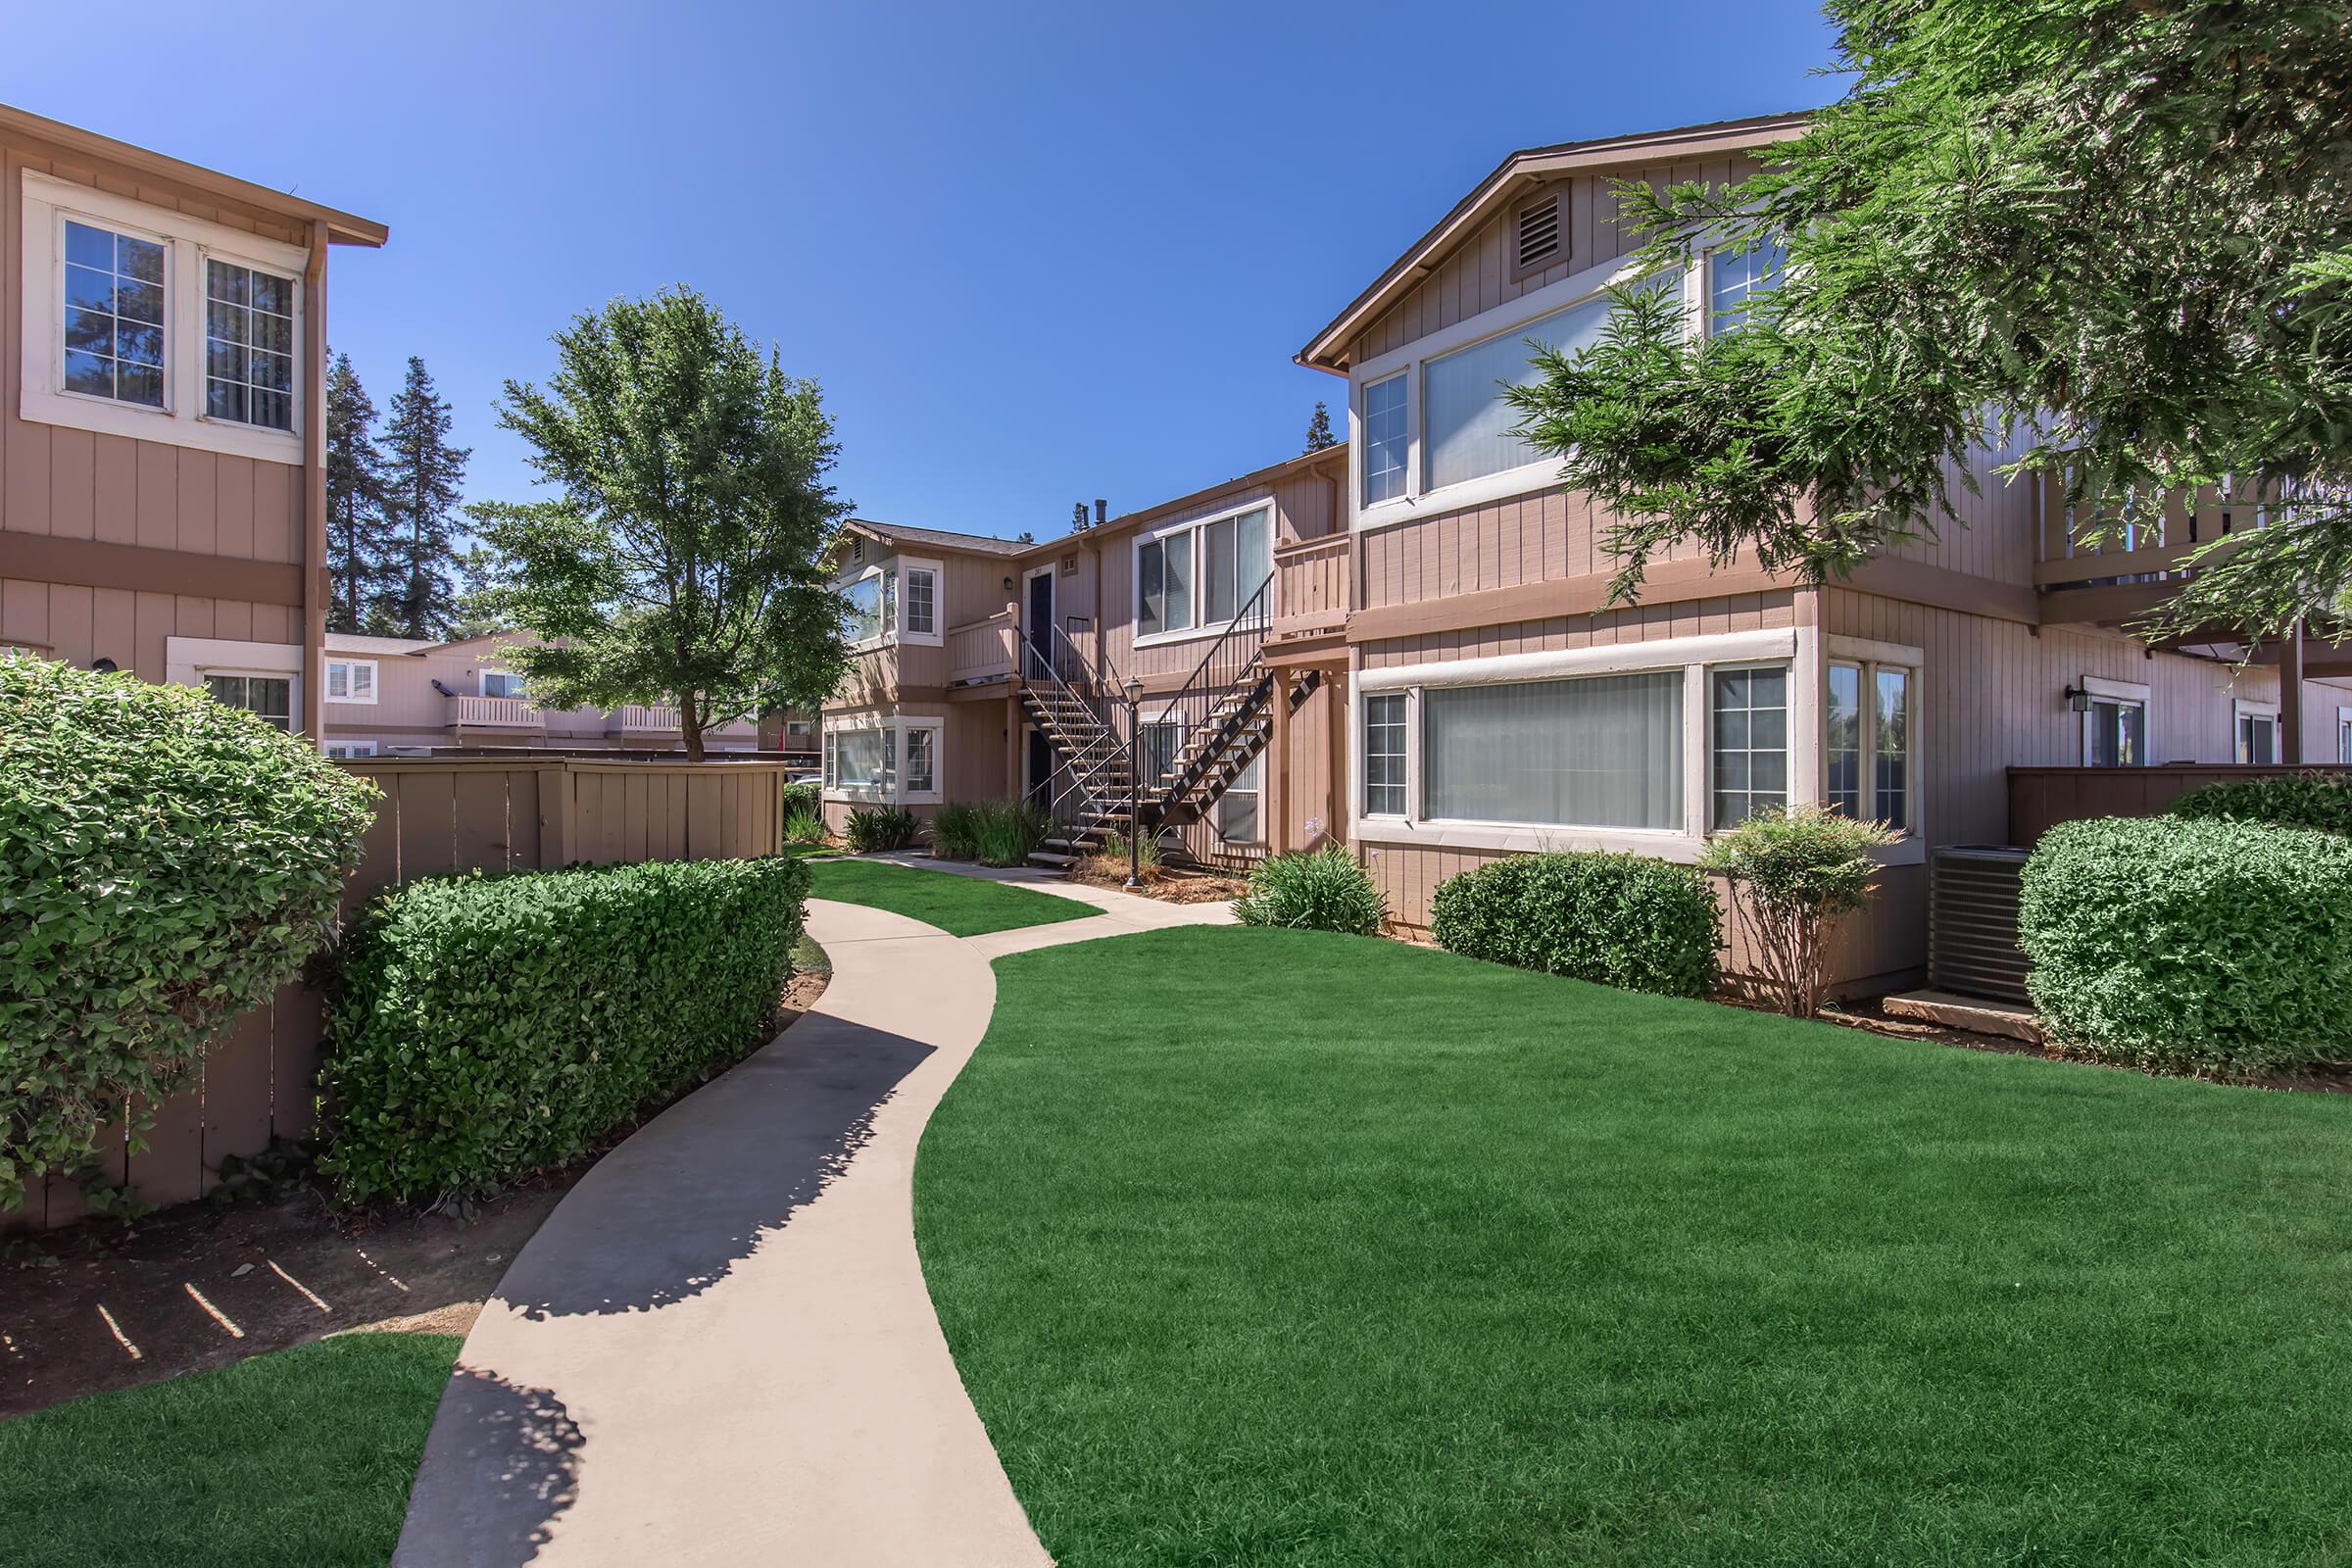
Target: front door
1041	616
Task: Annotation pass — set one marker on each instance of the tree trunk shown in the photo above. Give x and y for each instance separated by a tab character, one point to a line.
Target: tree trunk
690	726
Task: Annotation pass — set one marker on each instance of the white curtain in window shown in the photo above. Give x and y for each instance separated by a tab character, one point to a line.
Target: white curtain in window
858	757
1602	751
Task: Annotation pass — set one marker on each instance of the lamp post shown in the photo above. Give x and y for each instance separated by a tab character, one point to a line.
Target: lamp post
1135	783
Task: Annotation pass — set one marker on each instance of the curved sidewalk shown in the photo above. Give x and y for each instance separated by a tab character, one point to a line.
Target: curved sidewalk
718	1348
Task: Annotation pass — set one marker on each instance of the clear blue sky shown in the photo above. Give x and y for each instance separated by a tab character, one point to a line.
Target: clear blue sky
1034	254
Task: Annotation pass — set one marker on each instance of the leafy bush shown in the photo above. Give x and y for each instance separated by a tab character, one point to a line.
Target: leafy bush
1791	873
871	830
798	798
2322	801
2210	946
1326	891
1617	919
482	1027
992	832
801	826
1110	861
165	863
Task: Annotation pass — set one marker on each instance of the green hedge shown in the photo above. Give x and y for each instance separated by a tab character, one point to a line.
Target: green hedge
804	797
482	1027
2322	801
2213	946
165	863
1621	920
879	829
1326	891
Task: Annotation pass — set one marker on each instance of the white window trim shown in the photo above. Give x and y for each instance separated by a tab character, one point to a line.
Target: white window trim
2242	708
1210	630
187	242
2129	691
895	617
348	749
188	660
1517	315
1873	656
885	638
1802	649
375	678
2343	732
895	793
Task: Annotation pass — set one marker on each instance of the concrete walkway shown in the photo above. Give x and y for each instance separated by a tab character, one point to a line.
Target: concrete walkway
719	1349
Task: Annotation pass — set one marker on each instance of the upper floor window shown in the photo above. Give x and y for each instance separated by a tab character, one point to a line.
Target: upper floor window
1203	574
249	345
269	696
1740	278
113	315
1466	426
1385	440
919	602
865	608
351	680
502	683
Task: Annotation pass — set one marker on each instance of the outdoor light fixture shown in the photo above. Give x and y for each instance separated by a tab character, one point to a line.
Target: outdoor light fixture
1008	586
2077	701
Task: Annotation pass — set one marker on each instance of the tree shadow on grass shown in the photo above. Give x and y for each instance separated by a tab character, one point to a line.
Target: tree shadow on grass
668	1214
501	1465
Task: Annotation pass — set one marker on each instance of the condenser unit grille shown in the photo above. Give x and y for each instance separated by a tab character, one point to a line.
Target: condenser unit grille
1972	921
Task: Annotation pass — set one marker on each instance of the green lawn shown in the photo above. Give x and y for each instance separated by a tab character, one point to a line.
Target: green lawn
964	905
297	1456
1269	1246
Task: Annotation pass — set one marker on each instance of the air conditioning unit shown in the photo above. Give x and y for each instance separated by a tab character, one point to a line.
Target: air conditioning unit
1972	921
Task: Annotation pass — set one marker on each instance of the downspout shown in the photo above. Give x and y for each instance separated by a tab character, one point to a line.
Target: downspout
314	582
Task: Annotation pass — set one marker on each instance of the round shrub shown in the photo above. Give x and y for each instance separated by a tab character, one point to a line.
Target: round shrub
1623	920
2208	947
1326	891
483	1027
165	863
2322	801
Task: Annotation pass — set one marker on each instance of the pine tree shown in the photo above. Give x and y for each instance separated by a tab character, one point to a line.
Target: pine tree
424	476
360	534
1318	429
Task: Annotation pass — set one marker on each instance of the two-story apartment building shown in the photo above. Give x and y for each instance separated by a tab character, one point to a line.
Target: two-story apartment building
391	695
163	339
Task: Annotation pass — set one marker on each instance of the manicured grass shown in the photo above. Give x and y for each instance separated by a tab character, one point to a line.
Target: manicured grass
1272	1247
964	905
297	1456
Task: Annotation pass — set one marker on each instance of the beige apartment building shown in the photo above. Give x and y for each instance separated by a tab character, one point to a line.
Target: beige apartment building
1433	673
163	338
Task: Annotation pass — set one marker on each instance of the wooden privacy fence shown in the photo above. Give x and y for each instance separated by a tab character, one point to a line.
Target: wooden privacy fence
2041	798
437	815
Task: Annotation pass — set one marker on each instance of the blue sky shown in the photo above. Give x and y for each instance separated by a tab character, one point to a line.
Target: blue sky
1034	253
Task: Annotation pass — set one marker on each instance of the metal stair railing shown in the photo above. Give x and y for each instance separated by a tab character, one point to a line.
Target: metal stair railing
1077	702
1223	698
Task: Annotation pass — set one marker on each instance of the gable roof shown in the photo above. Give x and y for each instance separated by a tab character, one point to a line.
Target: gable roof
899	533
1327	349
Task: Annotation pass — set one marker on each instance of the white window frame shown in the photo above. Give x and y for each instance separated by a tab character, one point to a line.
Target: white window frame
350	667
1872	657
2242	708
1256	792
885	637
1411	756
1703	685
1413	359
482	679
205	675
2124	691
187	661
350	749
894	791
894	612
2343	732
1198	526
188	242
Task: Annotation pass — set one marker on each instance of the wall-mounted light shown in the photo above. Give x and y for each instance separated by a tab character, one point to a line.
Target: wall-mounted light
1008	586
2077	701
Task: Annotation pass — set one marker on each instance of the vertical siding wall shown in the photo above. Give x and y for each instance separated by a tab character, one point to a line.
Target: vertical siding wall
75	484
437	816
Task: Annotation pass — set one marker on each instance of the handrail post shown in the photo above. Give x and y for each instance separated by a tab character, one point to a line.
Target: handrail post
1135	787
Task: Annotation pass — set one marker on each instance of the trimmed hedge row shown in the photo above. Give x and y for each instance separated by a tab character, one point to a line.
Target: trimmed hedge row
2187	946
1623	920
2322	801
483	1027
165	863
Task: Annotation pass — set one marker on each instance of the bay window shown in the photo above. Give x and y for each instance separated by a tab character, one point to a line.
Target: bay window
922	776
860	759
1749	718
1603	750
865	609
885	760
1204	576
1866	742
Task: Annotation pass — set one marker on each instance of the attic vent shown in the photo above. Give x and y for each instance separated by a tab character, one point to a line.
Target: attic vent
1539	233
856	551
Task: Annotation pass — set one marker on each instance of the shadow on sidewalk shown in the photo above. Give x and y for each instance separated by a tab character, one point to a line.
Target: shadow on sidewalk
501	1466
667	1215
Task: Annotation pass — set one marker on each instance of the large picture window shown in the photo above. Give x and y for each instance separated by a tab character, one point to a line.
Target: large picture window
1602	751
1466	423
1206	575
862	757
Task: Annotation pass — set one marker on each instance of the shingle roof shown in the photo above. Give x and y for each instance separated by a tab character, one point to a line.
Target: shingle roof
346	641
984	544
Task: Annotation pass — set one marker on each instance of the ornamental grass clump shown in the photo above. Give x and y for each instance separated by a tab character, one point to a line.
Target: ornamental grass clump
485	1026
1794	873
165	863
2216	948
1625	920
1325	891
995	833
876	830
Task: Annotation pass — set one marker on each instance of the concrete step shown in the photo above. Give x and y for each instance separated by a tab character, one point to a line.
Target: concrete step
1977	1015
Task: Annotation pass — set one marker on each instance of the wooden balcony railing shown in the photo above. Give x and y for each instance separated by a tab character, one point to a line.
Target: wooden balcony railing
496	712
2157	537
1311	586
983	650
663	719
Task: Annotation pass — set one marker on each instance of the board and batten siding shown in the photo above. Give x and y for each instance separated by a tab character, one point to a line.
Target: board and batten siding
78	485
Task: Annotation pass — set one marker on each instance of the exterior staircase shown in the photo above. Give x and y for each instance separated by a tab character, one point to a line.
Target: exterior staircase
1224	715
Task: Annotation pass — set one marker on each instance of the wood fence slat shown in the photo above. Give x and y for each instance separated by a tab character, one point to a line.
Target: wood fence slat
297	1024
427	823
478	809
169	1170
237	1088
